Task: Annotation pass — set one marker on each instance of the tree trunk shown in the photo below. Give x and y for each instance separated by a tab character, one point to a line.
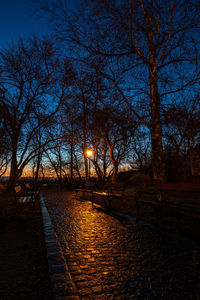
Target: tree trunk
156	127
85	156
13	173
115	172
77	167
114	163
38	162
98	171
156	133
71	161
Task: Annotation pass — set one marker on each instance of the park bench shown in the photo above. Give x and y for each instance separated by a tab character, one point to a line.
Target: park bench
85	191
25	197
108	194
166	200
103	195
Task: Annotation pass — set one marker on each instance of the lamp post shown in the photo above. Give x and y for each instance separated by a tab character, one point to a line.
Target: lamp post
89	154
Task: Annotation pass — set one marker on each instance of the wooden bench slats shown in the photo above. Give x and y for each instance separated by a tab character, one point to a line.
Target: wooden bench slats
25	199
101	193
106	193
86	189
115	195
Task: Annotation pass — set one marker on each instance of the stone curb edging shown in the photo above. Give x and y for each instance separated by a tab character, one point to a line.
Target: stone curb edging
63	286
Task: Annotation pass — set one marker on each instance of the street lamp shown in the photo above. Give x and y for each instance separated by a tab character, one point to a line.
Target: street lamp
89	154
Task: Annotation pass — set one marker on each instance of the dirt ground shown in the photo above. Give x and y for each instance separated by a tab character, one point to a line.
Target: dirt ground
23	263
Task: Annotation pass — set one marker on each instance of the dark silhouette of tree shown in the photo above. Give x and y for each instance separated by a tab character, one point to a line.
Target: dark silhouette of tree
101	158
182	134
140	158
84	104
58	162
150	50
71	128
113	126
4	150
35	84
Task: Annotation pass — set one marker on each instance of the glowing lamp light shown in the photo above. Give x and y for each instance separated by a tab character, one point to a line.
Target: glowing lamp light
89	153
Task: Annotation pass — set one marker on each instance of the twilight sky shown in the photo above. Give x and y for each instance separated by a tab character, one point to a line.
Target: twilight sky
16	20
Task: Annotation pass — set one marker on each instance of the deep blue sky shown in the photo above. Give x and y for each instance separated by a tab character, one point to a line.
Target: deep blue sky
16	20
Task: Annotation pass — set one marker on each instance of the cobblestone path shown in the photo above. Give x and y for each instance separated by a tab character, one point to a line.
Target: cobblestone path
112	257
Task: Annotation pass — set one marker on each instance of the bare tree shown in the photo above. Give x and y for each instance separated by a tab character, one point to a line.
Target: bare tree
84	104
4	151
112	124
101	158
56	157
70	126
43	134
182	133
5	143
35	85
140	156
153	45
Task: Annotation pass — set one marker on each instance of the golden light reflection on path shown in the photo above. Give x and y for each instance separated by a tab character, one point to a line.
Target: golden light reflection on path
109	257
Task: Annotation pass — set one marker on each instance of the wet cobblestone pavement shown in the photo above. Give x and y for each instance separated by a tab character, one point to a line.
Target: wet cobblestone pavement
111	257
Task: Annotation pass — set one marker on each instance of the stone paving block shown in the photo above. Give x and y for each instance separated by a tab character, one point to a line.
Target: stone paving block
75	272
82	284
68	276
71	262
83	267
89	271
55	260
56	269
97	289
85	292
50	239
79	278
53	245
53	248
102	297
52	254
49	236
